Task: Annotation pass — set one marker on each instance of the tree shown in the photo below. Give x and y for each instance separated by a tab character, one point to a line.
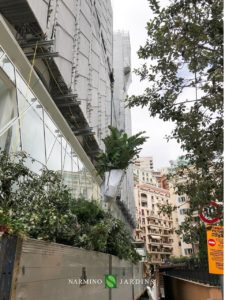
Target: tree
184	54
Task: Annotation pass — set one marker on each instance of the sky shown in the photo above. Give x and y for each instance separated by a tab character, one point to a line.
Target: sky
132	16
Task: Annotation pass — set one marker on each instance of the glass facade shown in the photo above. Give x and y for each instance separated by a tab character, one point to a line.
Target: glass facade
26	126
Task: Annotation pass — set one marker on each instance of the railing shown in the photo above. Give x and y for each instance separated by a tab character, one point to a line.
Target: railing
197	274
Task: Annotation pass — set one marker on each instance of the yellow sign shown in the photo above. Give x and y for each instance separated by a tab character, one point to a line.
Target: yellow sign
215	249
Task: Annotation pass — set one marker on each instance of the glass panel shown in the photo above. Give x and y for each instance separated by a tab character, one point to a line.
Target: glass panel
8	67
10	140
75	166
33	133
24	89
66	163
8	105
53	151
1	52
23	104
50	124
66	156
72	180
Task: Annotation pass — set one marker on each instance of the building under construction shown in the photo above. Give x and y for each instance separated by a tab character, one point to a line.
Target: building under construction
58	89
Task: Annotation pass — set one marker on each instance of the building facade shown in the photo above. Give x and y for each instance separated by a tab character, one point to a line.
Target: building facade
182	208
143	171
56	86
155	229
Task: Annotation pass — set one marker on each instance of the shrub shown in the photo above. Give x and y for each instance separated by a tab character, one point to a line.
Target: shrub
42	207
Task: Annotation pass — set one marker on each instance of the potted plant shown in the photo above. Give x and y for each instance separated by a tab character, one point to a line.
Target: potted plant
120	150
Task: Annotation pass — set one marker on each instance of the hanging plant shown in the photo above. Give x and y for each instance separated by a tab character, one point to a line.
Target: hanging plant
120	150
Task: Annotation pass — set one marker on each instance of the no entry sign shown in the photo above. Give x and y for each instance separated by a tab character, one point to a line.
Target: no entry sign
211	242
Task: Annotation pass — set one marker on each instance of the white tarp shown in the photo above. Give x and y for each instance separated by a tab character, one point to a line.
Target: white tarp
112	182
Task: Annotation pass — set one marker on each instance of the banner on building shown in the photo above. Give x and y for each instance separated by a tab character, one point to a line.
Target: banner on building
215	249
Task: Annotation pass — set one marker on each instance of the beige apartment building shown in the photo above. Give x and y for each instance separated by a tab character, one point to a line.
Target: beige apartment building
155	229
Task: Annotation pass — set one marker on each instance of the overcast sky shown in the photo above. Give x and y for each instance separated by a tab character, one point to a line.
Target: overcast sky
132	16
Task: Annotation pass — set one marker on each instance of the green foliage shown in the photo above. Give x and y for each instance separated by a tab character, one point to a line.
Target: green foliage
182	259
41	207
184	56
189	230
120	150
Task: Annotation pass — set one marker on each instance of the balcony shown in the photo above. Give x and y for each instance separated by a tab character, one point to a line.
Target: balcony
155	243
156	261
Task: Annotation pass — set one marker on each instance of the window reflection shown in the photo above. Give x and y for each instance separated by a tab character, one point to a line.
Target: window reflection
8	105
24	89
33	133
8	67
53	151
10	140
41	139
66	156
23	104
50	124
1	52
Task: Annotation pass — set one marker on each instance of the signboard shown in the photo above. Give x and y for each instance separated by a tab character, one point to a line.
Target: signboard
212	213
215	249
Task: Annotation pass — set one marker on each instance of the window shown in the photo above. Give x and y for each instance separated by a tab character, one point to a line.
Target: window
184	211
188	251
143	195
144	204
7	66
8	105
9	129
181	199
32	126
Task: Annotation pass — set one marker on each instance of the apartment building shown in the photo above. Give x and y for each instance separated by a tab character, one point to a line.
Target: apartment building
155	229
143	173
56	87
183	208
145	163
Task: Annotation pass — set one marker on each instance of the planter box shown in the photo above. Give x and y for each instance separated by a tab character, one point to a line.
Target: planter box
112	182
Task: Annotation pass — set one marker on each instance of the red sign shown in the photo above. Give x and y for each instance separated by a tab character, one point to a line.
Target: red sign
211	242
211	209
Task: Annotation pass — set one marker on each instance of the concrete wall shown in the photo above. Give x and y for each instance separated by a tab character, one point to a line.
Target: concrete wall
180	289
49	271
